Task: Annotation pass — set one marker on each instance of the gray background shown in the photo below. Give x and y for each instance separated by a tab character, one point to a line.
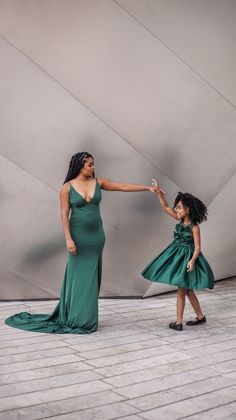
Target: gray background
146	86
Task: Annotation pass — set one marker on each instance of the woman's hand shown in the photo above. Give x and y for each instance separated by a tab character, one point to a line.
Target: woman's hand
71	247
152	189
190	266
156	188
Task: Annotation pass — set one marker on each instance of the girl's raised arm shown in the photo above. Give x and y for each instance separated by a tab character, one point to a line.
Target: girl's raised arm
159	192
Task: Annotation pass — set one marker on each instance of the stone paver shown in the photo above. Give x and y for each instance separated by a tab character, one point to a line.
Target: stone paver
134	367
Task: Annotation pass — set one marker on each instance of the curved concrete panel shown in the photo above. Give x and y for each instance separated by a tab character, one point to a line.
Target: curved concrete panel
201	33
111	77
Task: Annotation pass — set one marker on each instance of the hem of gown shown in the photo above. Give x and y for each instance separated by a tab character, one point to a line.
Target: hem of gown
179	284
50	328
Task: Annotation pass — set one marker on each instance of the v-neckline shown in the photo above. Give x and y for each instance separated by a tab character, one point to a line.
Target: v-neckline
83	196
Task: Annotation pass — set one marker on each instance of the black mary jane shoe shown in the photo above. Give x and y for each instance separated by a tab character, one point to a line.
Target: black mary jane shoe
197	321
175	326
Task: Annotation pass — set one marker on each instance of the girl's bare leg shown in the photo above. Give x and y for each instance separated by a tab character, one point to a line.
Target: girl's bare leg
195	303
180	304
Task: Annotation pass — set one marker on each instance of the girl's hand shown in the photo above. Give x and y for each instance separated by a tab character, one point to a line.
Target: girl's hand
156	187
152	189
190	266
71	247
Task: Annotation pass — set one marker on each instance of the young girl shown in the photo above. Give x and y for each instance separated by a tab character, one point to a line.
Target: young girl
182	264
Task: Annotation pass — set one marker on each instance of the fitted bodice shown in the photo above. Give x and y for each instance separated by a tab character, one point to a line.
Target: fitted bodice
85	215
183	234
77	200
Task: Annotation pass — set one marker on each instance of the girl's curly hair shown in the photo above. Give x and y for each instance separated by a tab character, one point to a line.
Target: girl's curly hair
197	209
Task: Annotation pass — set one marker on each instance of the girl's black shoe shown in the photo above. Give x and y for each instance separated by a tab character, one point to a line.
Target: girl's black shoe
197	321
175	326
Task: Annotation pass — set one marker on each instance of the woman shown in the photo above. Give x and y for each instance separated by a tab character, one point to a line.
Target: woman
77	310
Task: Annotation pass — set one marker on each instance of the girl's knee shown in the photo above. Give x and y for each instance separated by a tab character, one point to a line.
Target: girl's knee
182	291
189	292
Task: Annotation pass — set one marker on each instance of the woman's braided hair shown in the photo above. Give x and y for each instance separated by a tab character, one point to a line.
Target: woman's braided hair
76	164
197	209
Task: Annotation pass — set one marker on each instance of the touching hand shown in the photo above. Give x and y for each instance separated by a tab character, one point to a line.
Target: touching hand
71	247
190	266
152	189
157	188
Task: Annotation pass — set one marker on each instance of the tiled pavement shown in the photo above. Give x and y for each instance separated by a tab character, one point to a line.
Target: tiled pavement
134	367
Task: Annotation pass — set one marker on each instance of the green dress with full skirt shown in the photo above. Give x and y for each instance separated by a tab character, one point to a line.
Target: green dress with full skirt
170	266
77	310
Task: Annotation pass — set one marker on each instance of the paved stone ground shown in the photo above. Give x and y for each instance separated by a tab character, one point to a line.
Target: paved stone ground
134	367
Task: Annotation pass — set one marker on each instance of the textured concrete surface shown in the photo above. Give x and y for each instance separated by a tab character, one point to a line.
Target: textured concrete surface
134	367
148	88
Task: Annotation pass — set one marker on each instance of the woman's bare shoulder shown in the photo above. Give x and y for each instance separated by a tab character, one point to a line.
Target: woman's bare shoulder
101	180
65	188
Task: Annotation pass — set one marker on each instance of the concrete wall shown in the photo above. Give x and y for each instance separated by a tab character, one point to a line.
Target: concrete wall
146	86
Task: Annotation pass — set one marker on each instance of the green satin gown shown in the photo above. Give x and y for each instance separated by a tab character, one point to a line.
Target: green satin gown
77	310
170	266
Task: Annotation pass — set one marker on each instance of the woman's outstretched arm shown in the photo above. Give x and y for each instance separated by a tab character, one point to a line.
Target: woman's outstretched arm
159	192
109	185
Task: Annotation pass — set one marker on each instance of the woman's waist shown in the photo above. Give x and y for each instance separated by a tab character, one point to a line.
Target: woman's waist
81	220
81	213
